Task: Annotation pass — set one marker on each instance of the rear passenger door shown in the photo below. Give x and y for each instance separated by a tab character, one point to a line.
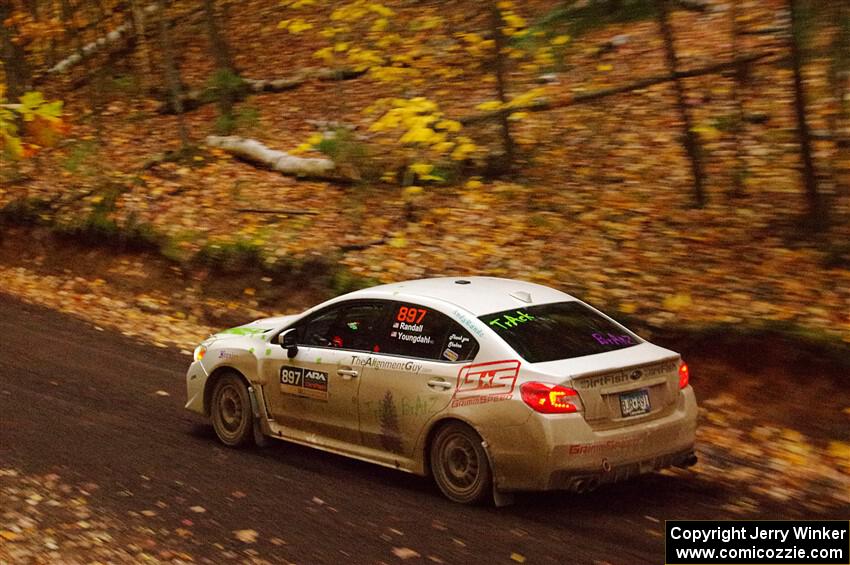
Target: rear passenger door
412	378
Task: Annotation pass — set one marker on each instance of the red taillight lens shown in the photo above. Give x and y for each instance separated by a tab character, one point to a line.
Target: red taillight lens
549	399
684	375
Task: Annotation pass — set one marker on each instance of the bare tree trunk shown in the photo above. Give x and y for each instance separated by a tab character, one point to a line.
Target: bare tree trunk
508	146
839	75
689	139
146	67
13	56
227	75
172	75
741	73
221	50
816	211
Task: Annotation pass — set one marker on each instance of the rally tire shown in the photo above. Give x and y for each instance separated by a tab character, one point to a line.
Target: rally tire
460	465
230	411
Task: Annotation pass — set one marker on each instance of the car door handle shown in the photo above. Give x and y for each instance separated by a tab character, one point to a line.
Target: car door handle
436	383
347	373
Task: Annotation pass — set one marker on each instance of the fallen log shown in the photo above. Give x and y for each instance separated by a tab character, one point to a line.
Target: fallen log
90	49
544	104
280	161
200	96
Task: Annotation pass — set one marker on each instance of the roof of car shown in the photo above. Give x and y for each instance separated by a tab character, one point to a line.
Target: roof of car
478	295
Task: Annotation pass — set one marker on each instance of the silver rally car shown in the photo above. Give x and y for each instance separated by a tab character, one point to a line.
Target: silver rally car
489	385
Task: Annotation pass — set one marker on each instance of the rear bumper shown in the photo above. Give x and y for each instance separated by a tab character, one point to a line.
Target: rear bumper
563	452
577	480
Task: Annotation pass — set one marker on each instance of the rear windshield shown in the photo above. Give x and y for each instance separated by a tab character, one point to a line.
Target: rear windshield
561	330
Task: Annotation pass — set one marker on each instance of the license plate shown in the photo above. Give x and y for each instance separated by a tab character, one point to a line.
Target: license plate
634	403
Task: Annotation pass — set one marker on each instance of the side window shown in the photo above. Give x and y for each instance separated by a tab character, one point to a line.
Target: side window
353	325
460	343
317	331
358	327
417	331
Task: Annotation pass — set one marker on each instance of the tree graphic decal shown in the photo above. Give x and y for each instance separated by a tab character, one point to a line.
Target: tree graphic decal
390	433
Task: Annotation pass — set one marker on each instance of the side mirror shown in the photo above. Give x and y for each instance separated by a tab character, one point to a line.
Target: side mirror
288	339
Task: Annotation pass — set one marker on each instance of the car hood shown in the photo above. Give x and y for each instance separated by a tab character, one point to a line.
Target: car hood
272	323
256	329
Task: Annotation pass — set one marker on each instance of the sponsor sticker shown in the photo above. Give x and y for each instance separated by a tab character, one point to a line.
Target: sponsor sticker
485	382
611	339
457	341
409	366
304	382
472	324
624	376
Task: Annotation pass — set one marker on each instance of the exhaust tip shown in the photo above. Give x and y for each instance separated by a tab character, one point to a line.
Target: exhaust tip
583	486
689	461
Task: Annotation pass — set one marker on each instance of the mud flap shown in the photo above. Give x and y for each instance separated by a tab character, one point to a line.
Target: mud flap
500	498
260	437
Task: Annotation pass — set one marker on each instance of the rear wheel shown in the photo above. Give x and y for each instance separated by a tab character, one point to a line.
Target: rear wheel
231	411
460	465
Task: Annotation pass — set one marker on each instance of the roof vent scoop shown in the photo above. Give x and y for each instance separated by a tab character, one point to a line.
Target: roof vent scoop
522	296
461	281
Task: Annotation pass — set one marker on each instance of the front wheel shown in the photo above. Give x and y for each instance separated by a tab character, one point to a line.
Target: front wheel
460	465
231	411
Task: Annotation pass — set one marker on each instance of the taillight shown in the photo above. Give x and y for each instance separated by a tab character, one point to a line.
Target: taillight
684	375
549	399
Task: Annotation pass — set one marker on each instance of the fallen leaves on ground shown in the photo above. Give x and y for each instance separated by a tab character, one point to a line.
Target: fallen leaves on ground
246	536
405	553
768	461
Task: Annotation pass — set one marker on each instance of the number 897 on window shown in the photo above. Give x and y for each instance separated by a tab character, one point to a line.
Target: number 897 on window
411	314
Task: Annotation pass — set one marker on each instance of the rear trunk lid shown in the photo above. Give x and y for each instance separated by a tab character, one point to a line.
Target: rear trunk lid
623	387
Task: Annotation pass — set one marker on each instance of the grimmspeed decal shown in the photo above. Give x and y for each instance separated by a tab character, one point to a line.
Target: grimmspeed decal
485	382
304	382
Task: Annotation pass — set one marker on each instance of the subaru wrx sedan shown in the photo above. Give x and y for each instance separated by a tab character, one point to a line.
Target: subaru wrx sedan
488	385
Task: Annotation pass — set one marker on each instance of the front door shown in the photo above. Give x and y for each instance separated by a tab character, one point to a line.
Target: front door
314	394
